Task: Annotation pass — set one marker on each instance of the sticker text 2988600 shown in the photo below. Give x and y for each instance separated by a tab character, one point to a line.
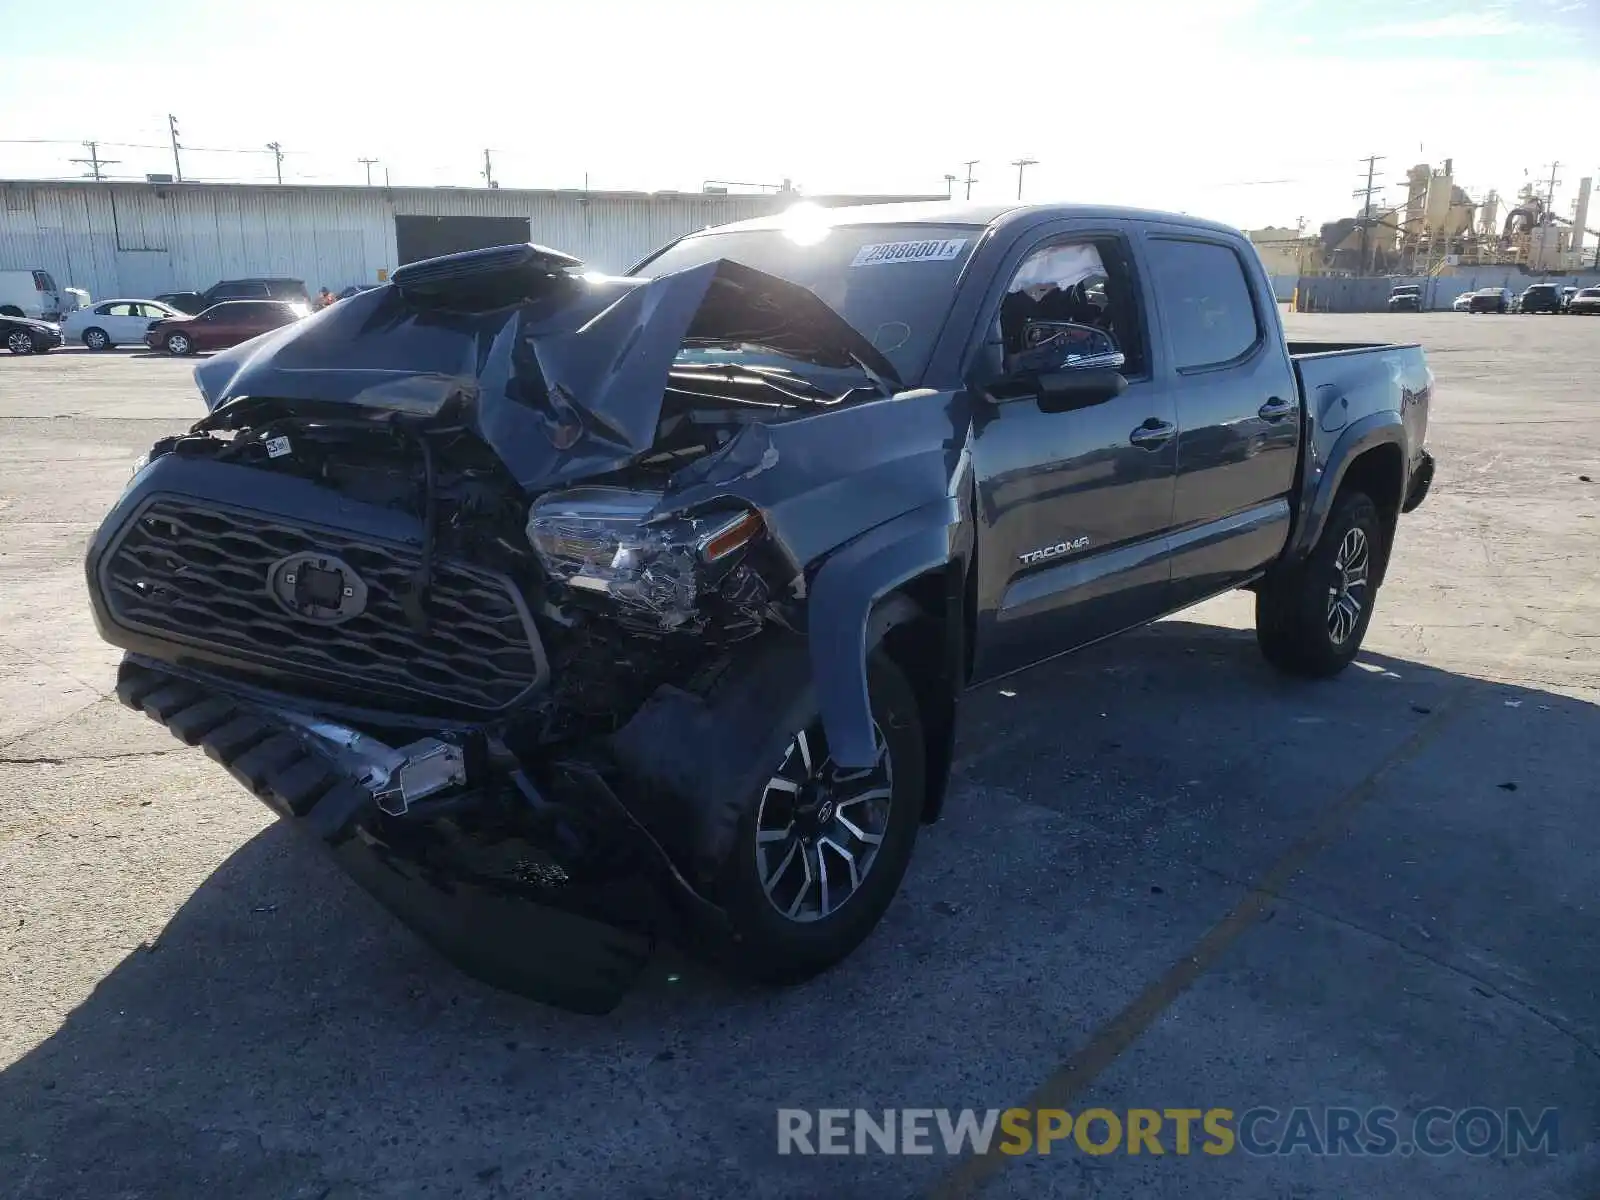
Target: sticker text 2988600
931	250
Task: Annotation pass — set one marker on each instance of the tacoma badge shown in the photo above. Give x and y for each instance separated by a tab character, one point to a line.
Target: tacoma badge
1048	552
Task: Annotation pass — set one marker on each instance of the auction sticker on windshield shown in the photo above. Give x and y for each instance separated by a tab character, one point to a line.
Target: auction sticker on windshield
931	250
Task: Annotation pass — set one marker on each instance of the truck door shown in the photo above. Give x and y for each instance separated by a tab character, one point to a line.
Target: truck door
1238	408
1073	507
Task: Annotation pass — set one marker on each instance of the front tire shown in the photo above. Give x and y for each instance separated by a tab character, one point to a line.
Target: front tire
1310	621
20	342
96	339
820	853
178	345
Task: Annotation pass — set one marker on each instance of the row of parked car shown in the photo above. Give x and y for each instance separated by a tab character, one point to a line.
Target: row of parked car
1539	298
178	323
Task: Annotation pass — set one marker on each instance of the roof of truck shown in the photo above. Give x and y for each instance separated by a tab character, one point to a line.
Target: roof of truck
962	212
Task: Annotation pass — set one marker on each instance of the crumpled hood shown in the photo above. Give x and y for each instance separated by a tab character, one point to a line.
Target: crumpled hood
561	374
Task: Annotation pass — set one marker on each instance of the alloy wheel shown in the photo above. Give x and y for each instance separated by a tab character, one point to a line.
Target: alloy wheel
1347	595
819	827
178	344
95	340
20	343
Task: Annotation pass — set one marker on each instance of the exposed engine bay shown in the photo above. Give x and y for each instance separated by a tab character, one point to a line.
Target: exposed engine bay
506	580
623	598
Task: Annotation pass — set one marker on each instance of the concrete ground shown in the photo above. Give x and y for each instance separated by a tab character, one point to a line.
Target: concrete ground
1167	878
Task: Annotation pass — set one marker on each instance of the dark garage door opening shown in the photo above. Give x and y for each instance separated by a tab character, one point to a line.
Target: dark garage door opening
428	237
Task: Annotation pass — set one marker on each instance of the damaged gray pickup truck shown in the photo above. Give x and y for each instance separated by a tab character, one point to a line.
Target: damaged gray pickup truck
573	612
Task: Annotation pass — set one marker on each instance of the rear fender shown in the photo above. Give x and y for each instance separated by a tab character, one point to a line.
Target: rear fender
1328	474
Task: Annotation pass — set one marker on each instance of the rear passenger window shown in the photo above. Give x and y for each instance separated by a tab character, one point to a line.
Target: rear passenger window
1202	289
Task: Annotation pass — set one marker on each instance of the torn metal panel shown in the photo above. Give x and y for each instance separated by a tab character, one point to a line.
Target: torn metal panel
563	377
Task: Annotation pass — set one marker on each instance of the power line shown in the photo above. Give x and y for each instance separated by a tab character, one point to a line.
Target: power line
94	162
1022	164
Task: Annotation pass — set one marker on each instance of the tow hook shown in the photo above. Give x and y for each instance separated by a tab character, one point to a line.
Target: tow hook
397	778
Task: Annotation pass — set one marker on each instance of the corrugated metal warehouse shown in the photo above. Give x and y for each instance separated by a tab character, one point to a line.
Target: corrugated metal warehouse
141	239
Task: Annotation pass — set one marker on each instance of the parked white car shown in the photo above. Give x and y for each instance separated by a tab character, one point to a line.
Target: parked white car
1462	303
30	294
113	323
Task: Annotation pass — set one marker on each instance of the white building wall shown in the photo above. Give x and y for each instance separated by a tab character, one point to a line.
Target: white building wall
134	239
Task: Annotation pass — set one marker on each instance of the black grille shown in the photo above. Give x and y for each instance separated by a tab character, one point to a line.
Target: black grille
197	575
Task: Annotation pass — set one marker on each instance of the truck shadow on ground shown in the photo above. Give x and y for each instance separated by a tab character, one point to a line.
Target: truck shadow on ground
285	1037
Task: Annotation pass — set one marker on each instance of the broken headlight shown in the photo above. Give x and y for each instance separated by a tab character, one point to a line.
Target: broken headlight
597	540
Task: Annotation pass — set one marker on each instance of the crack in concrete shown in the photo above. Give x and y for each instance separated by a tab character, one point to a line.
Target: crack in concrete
1485	985
52	760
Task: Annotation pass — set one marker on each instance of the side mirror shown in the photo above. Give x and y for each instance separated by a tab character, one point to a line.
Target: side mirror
1080	387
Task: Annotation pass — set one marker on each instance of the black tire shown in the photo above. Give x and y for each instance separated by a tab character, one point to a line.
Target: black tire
1296	626
21	342
770	947
96	338
178	344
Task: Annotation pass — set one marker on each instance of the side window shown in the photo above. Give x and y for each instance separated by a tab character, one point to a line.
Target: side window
123	310
1068	298
1205	295
103	311
43	282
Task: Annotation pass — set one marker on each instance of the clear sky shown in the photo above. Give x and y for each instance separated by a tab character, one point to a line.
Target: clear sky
1251	111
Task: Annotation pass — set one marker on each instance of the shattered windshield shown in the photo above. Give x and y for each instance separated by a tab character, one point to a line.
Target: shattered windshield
893	283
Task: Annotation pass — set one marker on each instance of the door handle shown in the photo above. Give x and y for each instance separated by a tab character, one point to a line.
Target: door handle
1276	409
1152	433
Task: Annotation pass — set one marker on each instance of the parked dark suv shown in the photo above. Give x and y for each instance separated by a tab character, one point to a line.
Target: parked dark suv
1495	300
1542	297
291	290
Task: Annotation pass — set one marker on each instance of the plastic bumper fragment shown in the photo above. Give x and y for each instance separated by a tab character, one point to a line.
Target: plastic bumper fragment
554	944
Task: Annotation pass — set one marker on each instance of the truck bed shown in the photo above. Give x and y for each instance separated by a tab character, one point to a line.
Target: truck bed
1309	349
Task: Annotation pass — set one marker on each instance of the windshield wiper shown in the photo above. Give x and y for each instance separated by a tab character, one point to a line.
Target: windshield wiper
786	383
883	385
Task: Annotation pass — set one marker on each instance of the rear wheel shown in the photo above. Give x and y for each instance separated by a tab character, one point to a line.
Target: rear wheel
822	849
20	341
1310	621
96	339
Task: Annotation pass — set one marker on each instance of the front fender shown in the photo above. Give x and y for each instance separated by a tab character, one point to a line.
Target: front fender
1322	484
843	594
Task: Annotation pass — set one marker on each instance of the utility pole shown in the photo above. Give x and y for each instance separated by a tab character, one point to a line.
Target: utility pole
94	162
1022	164
488	170
970	180
949	186
367	163
177	164
1550	190
277	158
1364	194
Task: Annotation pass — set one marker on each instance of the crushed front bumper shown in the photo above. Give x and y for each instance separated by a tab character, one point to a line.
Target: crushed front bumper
562	901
